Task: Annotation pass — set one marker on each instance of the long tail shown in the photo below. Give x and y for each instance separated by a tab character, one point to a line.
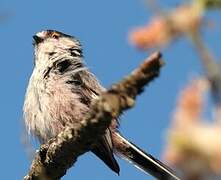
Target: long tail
141	159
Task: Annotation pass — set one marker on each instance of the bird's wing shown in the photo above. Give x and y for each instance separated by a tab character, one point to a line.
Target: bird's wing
88	88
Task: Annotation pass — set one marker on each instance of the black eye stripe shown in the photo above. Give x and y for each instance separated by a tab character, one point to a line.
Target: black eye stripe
60	34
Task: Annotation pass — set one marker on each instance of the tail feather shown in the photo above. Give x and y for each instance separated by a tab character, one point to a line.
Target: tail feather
104	150
107	158
141	159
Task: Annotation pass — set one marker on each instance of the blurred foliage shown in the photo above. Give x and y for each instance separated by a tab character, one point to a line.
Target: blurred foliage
193	145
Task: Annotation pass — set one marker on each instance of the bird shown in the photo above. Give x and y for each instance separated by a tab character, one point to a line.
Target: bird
59	93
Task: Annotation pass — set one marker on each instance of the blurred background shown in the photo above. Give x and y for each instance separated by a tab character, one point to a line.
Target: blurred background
106	30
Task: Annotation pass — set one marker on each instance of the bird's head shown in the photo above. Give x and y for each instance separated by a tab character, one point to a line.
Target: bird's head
51	44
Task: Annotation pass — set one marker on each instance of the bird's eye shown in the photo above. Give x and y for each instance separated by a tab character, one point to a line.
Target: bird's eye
55	35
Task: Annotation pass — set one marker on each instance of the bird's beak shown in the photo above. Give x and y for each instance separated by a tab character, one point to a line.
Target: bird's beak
37	39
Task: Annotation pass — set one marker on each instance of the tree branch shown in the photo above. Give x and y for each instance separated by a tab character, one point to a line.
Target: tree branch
55	157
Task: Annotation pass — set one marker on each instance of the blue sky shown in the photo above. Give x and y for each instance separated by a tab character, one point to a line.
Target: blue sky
102	27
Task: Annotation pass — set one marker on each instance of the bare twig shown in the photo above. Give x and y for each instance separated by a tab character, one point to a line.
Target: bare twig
211	67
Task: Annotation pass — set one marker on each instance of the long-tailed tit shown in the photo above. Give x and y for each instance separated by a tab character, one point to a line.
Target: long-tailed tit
59	94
